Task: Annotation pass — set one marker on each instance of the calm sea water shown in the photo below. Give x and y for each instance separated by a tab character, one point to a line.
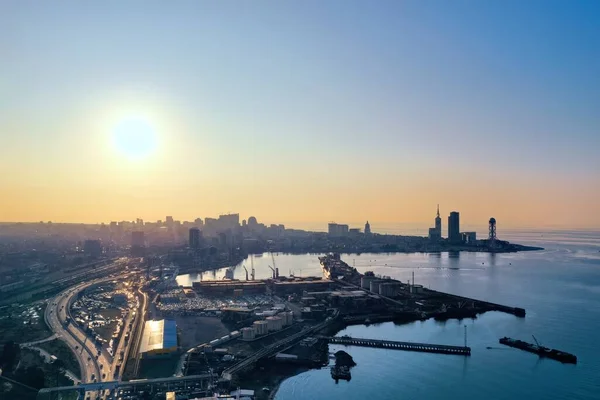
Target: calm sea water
559	287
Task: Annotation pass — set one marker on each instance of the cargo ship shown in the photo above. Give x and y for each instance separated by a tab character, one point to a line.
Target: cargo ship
540	350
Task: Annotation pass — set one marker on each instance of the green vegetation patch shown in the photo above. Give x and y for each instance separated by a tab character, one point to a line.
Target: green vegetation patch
64	353
23	323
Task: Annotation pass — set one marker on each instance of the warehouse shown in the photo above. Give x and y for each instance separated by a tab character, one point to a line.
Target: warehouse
159	338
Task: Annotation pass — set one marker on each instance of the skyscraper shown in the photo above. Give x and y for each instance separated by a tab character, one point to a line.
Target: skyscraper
438	222
367	228
194	238
138	244
454	228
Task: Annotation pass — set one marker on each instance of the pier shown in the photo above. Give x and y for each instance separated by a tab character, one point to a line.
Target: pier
407	346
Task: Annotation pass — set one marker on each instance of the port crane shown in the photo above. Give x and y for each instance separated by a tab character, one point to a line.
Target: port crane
246	269
276	270
252	266
272	269
536	342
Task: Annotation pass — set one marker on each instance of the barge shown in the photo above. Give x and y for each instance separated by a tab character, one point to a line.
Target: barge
541	351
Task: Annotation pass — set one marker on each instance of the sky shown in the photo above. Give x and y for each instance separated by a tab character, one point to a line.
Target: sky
302	112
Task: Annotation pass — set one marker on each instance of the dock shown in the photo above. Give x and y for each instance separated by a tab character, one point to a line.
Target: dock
407	346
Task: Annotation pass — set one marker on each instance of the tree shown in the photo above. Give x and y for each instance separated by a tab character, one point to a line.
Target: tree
10	355
31	376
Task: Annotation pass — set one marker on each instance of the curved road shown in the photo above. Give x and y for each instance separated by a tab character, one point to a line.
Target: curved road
90	360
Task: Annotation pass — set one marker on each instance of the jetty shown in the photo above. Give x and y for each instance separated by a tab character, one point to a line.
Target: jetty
407	346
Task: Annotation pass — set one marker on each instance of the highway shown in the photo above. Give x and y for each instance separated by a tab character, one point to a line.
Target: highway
55	316
95	363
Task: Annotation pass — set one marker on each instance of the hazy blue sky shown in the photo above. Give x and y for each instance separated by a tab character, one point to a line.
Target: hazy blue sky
274	107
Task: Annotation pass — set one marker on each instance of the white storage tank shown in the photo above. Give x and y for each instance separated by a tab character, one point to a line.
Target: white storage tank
365	282
290	317
261	327
248	333
274	323
269	313
284	319
388	289
224	338
374	286
416	289
235	334
215	342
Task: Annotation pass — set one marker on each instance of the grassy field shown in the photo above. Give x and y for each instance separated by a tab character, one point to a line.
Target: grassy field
63	352
21	325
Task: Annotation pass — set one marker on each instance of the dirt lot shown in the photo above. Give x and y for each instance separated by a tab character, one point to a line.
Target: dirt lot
197	330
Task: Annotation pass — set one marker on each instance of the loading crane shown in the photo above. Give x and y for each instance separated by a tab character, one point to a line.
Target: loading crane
246	269
276	270
252	265
536	342
272	269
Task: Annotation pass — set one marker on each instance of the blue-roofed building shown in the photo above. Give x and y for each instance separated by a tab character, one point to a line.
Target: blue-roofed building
159	338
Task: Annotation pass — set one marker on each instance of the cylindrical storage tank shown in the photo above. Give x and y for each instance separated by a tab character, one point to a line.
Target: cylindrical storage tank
260	327
290	315
277	323
374	286
416	289
248	334
388	289
284	319
365	282
270	324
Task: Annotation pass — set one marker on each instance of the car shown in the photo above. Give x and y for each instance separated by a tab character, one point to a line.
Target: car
103	376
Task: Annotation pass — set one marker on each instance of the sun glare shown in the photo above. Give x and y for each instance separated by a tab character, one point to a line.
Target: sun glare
134	137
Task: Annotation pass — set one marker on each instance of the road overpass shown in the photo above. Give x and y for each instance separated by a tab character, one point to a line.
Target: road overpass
135	385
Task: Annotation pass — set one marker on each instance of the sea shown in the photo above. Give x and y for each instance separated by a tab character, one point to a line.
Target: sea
559	287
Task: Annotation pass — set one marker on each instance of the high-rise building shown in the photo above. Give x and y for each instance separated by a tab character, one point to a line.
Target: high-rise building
454	228
138	239
438	222
92	248
194	238
435	233
138	244
367	228
169	220
337	230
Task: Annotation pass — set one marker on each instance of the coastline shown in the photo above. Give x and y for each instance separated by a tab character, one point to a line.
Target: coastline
515	248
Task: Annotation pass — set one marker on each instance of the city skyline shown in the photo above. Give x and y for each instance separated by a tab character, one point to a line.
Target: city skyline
375	112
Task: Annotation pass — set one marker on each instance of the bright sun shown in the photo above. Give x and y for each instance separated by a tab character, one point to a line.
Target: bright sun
134	137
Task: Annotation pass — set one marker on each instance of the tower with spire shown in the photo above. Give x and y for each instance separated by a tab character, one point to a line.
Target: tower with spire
435	233
367	228
438	222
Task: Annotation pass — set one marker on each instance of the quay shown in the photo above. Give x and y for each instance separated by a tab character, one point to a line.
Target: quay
408	346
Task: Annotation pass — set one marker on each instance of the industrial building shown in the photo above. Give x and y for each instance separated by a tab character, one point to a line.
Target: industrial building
289	287
159	338
228	287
